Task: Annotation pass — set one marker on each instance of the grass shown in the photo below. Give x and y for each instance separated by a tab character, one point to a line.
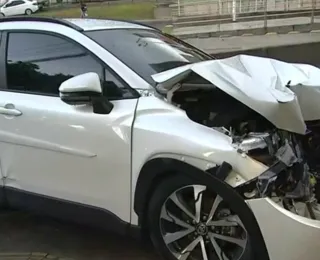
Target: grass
168	29
129	11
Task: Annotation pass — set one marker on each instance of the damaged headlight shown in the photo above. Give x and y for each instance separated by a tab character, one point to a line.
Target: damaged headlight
260	146
253	141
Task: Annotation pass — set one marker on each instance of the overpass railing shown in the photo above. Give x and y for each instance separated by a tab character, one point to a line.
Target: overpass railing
237	10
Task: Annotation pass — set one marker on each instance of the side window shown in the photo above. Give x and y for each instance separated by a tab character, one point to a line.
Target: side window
14	3
19	2
39	63
10	4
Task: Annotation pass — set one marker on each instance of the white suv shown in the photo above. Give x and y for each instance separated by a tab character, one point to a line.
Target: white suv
85	136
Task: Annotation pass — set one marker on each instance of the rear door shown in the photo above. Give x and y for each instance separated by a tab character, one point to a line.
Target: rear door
21	7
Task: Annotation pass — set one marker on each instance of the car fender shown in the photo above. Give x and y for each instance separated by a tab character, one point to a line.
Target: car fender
162	130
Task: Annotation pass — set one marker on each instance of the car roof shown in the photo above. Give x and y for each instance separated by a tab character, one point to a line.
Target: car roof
81	24
99	24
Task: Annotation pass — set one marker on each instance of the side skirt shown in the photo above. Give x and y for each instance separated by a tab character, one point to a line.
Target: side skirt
67	211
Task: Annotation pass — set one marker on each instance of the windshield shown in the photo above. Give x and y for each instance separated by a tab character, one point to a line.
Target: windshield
147	52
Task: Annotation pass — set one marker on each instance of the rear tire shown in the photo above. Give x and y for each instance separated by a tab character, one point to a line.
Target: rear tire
28	12
207	237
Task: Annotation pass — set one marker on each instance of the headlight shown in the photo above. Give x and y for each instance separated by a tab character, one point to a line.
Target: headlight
254	141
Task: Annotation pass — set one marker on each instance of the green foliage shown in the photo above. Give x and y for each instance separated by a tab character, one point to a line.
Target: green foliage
130	11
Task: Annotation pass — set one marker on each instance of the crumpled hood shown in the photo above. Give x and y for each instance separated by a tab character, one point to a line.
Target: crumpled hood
259	83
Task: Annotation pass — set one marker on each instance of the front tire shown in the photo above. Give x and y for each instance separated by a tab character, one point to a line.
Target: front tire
28	12
188	221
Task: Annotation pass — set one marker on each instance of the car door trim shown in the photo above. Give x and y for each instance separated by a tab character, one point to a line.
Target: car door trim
19	139
73	212
3	74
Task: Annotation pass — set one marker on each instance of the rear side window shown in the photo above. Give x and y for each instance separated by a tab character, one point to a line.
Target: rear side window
14	3
39	63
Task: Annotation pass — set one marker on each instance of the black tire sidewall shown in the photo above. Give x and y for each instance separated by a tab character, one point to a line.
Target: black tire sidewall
28	10
163	191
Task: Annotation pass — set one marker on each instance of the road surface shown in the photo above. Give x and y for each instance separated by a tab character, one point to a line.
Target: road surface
22	234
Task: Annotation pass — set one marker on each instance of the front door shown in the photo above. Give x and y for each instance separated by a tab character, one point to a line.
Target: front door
50	148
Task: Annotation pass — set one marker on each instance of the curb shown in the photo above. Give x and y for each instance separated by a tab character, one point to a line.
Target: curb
271	33
30	256
287	29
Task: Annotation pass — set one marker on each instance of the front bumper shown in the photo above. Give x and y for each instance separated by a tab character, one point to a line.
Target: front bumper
287	236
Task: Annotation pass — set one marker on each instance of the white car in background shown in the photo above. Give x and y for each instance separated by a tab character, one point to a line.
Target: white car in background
19	7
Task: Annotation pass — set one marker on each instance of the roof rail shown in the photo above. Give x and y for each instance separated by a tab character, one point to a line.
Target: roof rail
137	23
40	19
128	21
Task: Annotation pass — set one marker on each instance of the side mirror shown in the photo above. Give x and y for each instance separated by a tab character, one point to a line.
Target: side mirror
85	89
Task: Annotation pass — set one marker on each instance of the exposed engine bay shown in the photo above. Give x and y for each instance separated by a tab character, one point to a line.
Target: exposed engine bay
293	176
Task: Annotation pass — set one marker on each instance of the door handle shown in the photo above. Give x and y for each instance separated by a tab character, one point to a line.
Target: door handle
10	110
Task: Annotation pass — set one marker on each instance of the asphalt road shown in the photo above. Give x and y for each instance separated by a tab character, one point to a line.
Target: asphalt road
21	234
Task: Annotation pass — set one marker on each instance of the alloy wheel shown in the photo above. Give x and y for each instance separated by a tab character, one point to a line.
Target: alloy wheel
197	224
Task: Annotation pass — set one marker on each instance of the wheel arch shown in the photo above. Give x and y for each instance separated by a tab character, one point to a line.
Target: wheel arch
151	173
158	169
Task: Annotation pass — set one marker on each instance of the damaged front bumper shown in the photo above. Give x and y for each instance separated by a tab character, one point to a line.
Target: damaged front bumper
287	236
